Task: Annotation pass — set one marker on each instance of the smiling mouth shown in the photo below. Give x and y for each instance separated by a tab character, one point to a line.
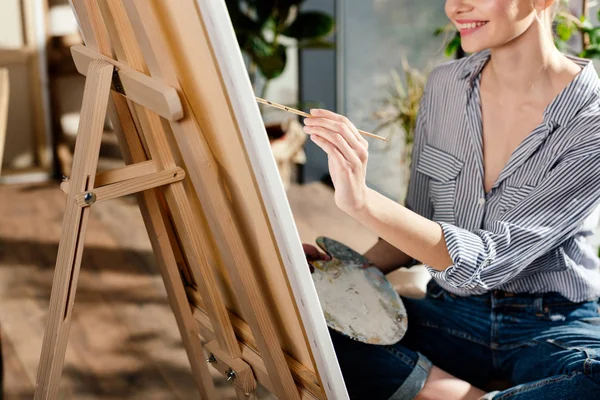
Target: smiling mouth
469	27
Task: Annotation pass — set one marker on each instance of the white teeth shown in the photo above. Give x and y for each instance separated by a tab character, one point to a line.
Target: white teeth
471	25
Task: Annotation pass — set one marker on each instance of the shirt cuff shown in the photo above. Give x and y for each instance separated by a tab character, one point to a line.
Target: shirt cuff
469	258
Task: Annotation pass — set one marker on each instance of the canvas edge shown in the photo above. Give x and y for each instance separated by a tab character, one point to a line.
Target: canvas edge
247	114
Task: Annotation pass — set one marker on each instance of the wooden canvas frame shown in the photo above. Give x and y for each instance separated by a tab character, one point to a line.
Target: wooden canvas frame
214	206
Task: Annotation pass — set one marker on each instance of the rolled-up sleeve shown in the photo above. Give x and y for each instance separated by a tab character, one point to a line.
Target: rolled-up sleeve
545	218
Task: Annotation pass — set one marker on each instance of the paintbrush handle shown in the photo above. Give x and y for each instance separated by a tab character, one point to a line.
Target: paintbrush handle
304	114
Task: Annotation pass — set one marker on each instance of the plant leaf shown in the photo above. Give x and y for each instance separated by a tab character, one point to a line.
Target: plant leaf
264	10
564	30
259	47
272	65
453	46
594	35
284	9
591	52
310	25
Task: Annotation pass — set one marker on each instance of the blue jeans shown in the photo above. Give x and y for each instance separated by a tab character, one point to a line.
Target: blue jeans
543	345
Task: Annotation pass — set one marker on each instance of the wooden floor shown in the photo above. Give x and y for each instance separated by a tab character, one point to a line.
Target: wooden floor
124	343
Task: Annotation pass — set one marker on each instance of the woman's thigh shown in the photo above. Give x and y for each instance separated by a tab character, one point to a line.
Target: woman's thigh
560	357
563	340
452	332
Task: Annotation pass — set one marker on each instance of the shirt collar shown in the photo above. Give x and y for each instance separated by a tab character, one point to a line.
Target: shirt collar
474	64
584	88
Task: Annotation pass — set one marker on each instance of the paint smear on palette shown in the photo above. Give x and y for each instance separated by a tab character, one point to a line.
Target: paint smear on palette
356	298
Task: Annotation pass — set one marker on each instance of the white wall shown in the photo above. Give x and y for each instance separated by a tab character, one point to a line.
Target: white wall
11	25
18	151
376	36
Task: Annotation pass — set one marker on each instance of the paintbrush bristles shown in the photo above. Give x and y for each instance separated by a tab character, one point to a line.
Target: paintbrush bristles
304	114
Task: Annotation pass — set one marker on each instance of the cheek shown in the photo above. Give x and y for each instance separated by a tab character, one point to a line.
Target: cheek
504	13
510	18
519	11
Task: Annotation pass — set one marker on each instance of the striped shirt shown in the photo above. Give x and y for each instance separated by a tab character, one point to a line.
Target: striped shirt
529	233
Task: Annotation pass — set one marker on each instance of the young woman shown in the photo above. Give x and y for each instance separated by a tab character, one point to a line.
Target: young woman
504	186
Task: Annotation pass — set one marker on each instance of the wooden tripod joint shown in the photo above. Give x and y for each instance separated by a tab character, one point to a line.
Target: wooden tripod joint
237	371
136	86
129	186
142	90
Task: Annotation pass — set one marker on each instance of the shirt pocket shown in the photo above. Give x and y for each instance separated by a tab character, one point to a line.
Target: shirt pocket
443	169
512	195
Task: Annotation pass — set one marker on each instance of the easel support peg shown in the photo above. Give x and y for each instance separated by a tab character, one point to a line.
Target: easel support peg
89	198
236	371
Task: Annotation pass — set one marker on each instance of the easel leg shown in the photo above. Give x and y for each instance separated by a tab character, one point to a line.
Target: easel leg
70	249
157	228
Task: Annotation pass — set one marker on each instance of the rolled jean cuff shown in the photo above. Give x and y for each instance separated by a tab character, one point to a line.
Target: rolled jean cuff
415	380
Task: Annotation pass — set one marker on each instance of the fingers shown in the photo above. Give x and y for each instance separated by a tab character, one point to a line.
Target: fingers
333	153
336	143
313	254
318	112
336	127
338	130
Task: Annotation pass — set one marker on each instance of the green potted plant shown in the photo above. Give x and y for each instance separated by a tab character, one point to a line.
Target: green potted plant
265	30
567	24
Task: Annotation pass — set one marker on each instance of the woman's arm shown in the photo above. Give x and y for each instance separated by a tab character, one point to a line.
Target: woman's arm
409	233
549	215
415	236
387	257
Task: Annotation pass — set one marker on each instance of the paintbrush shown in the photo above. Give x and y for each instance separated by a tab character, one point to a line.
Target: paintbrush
304	114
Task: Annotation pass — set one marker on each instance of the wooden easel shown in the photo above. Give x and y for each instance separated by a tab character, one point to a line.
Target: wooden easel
140	90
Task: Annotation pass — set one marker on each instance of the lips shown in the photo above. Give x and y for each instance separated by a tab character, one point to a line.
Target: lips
467	27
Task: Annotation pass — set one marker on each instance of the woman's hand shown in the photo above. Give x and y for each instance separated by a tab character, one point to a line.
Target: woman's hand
347	153
313	254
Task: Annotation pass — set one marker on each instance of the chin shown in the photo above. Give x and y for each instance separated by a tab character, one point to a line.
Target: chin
472	46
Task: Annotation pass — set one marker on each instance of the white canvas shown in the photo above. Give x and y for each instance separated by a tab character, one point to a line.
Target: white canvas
239	88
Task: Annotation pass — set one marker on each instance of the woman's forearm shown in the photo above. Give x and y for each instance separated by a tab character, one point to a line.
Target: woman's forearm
417	237
387	257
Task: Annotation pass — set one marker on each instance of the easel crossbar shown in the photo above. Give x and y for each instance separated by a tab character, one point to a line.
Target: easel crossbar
130	186
118	174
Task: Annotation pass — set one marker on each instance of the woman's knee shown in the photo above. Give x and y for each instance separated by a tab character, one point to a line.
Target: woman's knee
380	372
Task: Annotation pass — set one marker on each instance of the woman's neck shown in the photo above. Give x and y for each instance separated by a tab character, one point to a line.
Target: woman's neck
529	63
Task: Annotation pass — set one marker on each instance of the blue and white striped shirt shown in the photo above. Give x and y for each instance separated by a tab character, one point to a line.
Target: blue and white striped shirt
528	234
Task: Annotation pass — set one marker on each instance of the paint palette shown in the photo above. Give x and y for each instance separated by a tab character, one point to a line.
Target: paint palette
356	298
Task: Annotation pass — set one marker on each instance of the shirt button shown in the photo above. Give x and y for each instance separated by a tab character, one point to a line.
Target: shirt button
481	201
